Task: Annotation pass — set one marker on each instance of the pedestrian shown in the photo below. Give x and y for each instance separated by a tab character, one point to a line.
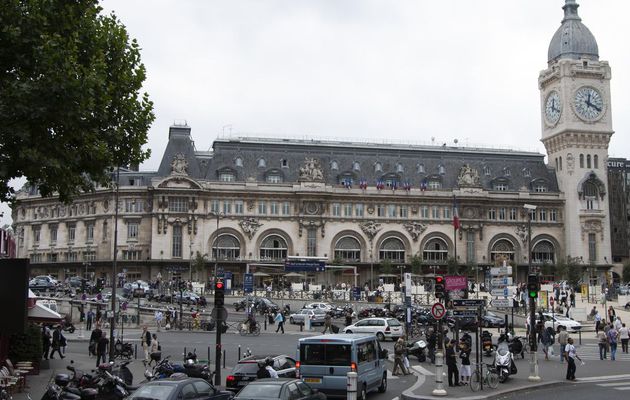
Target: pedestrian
280	320
156	349
101	349
431	343
611	314
327	323
563	336
613	335
571	355
146	342
399	353
465	372
546	340
602	342
88	320
617	323
94	338
451	364
56	343
158	319
572	298
46	338
598	322
63	343
349	317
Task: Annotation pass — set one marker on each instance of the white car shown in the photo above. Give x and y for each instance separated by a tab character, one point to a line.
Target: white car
320	306
383	328
558	320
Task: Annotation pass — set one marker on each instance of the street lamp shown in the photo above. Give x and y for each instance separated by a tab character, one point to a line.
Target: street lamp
191	258
218	215
533	365
112	324
371	271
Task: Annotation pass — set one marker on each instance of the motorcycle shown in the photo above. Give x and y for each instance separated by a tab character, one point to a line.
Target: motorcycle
123	350
192	369
69	327
486	343
516	344
418	349
504	361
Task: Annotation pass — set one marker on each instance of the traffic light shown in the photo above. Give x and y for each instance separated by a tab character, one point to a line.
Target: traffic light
532	286
439	288
219	294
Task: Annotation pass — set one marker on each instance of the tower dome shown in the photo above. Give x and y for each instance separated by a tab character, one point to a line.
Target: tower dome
573	39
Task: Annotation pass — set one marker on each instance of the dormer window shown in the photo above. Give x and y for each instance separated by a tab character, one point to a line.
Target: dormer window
540	188
507	171
274	178
284	163
420	168
441	169
378	167
486	170
226	177
238	161
527	173
399	168
334	165
356	166
262	163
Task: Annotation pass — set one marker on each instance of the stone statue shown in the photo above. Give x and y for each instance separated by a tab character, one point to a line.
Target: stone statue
370	228
468	176
521	232
415	229
311	171
250	226
179	165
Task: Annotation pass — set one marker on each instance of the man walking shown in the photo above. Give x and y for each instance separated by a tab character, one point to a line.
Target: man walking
101	349
56	343
280	320
146	342
451	364
602	342
612	340
563	337
399	353
624	335
327	323
571	355
88	320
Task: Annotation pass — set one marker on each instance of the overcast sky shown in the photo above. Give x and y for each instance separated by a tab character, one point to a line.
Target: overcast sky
377	70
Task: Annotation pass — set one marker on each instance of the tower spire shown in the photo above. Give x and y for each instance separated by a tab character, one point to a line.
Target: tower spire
570	11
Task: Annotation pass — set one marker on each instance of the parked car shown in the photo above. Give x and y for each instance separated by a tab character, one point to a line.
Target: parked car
558	320
464	323
244	372
136	289
316	316
282	389
491	320
381	327
176	389
42	283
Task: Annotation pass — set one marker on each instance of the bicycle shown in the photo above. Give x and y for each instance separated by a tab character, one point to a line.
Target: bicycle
490	378
243	329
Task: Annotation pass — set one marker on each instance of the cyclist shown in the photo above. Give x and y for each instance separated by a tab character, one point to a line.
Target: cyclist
251	321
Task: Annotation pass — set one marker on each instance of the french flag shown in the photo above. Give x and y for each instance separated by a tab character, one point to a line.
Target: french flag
363	184
423	185
456	223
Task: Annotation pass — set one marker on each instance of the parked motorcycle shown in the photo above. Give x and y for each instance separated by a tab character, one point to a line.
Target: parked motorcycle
504	361
517	344
123	350
418	349
486	343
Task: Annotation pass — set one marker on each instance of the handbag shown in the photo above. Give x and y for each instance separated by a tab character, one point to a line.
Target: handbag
406	362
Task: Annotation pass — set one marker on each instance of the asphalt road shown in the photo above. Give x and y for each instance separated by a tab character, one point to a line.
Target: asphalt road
602	389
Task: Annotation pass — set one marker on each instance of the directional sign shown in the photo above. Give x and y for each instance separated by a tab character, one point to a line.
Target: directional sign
502	303
464	313
502	292
501	270
248	283
438	310
469	303
501	281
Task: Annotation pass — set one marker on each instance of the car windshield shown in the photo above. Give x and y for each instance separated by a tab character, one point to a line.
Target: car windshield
245	368
491	314
393	322
258	390
153	392
325	354
561	318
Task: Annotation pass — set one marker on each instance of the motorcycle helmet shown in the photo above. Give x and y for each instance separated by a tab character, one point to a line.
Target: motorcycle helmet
262	363
62	379
89	394
269	361
190	362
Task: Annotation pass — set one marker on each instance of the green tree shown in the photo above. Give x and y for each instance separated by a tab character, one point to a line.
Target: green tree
199	263
416	264
625	273
452	266
386	267
70	104
561	270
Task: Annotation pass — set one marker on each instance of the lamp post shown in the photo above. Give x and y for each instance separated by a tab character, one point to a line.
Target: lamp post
533	362
218	216
191	259
112	342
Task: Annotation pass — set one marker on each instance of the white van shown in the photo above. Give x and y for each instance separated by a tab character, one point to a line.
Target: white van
324	362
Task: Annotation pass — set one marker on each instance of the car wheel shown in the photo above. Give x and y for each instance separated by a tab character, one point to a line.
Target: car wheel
291	321
380	336
383	387
362	395
348	331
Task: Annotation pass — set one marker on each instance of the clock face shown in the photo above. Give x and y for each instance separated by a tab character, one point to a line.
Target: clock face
589	104
553	107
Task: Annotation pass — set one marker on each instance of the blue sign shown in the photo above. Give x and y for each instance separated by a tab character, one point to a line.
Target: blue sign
305	266
248	283
356	293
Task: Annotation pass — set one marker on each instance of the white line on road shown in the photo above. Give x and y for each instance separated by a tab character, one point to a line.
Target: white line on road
603	378
614	384
422	370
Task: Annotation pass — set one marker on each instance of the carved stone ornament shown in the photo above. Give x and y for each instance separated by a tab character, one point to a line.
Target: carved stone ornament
415	229
521	232
179	165
311	171
306	224
250	226
468	177
370	228
592	226
570	163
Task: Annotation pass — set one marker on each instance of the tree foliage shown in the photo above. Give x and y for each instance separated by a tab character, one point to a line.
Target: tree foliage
416	264
70	103
199	263
452	266
386	267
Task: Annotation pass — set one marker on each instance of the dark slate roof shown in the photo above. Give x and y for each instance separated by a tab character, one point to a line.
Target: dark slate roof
208	165
573	39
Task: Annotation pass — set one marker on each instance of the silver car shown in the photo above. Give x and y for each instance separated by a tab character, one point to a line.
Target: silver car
316	316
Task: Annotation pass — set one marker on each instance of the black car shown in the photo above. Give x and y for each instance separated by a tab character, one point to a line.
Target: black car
175	389
281	389
491	320
42	283
245	370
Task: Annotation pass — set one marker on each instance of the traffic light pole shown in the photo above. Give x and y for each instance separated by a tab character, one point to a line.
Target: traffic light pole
219	300
533	361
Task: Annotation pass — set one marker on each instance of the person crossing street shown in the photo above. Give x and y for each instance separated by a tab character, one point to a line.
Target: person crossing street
571	354
280	320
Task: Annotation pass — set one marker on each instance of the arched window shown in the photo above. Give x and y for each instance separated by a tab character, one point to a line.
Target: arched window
581	160
435	250
441	169
486	170
228	247
238	161
273	247
507	171
502	249
588	161
595	161
543	252
590	195
392	249
527	172
348	249
399	168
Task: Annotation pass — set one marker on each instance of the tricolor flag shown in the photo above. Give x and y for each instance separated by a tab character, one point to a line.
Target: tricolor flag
456	224
407	186
380	185
423	185
363	184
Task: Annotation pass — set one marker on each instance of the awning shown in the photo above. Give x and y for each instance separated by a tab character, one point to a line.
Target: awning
41	313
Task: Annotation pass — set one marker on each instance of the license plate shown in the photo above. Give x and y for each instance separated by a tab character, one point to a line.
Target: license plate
313	380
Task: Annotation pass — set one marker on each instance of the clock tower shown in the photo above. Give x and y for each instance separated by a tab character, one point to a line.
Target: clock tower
576	129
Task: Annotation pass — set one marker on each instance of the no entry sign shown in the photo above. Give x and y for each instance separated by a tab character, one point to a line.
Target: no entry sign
438	310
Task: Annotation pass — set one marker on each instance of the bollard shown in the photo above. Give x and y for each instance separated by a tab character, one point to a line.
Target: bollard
239	352
439	371
224	359
208	356
580	338
265	316
185	353
351	387
136	351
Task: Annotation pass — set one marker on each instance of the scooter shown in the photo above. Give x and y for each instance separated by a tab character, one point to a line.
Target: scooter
504	361
418	349
486	343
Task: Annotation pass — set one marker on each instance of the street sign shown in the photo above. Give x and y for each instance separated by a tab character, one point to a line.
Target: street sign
248	283
438	310
501	270
304	266
456	282
502	303
469	303
501	281
464	313
219	312
502	292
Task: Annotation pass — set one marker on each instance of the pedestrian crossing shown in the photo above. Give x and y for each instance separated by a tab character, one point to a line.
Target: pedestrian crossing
590	352
619	385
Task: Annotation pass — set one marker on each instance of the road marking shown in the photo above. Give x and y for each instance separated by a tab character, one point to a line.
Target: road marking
603	378
614	384
395	398
390	376
422	371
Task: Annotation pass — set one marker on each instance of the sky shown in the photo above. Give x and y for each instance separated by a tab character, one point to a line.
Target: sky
404	71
